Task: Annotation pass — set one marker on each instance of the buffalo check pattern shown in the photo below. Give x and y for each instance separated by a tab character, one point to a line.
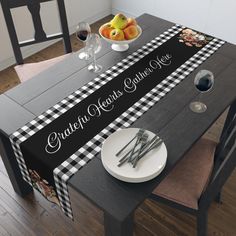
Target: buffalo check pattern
75	162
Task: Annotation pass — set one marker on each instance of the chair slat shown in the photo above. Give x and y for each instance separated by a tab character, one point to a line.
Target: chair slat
64	26
33	41
34	9
20	3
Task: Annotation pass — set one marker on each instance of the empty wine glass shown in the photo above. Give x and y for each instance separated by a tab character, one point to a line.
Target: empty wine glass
203	81
94	46
83	31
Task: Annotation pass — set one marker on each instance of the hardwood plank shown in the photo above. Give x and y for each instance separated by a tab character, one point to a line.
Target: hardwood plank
27	205
152	225
170	222
12	225
20	215
140	230
34	207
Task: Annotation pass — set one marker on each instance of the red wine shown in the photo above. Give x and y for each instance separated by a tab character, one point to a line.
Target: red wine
204	84
82	35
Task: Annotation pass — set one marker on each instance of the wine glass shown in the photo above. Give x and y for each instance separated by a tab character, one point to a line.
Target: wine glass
203	81
83	31
94	46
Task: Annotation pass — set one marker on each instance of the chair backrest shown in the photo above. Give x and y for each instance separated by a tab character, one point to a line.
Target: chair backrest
225	158
40	35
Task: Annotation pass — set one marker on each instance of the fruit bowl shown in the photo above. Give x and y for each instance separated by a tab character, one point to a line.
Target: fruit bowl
121	45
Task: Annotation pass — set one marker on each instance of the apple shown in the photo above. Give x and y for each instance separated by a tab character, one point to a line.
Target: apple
117	34
131	32
131	21
106	30
119	21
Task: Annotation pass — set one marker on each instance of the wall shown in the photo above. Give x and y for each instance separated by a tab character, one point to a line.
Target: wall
77	10
215	17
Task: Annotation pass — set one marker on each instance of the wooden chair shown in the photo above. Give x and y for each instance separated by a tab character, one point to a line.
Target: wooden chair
27	71
198	178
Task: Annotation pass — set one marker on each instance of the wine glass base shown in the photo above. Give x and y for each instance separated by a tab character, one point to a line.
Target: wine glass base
84	56
95	69
198	107
120	47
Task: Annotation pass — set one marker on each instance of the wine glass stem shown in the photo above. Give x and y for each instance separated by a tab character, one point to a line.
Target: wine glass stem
85	46
94	61
200	97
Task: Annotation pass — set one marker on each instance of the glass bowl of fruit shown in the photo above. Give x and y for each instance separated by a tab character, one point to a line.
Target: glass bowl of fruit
120	32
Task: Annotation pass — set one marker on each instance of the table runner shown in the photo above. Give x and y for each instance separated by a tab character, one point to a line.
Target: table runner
192	48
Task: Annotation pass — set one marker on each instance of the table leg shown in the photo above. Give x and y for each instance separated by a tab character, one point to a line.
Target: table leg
20	186
113	227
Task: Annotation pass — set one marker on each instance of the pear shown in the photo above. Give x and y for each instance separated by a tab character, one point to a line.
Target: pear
119	21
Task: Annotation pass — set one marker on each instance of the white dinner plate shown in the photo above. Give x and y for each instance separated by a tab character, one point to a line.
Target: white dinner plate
150	166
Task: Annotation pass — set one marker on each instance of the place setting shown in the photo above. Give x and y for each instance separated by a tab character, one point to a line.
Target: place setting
134	155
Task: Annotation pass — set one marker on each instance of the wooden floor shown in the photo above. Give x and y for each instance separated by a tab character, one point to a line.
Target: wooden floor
35	216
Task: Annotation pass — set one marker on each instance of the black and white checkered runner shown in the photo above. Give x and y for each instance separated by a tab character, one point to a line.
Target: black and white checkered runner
76	161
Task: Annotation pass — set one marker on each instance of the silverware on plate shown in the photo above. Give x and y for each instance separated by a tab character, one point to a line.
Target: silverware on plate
153	146
137	135
133	156
143	141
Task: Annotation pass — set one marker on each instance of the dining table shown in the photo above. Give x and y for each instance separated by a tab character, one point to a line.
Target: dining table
170	118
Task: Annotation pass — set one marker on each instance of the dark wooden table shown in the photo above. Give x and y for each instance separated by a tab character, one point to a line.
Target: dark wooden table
171	118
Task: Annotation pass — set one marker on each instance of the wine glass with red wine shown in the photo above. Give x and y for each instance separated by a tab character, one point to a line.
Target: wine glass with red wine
203	81
83	31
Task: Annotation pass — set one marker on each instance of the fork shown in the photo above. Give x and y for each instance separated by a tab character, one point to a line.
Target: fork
143	141
138	134
153	146
149	143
